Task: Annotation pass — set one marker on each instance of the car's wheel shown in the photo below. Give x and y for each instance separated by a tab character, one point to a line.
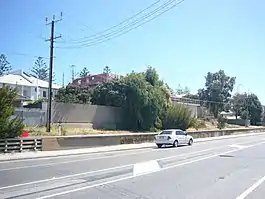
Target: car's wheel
190	142
159	145
176	143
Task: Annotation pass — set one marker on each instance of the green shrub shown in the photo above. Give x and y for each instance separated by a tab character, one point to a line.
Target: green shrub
198	124
221	122
178	116
9	127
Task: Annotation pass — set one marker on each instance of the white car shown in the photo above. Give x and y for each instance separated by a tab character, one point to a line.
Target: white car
173	137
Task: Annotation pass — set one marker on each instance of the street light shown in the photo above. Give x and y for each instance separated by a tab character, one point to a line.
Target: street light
237	90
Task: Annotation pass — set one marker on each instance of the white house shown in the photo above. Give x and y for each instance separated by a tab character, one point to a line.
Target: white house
27	85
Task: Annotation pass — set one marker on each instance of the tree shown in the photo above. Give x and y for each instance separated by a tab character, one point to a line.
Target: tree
9	127
40	69
152	76
5	66
170	90
217	91
238	103
73	94
145	103
84	72
111	93
182	91
142	97
106	70
252	109
192	96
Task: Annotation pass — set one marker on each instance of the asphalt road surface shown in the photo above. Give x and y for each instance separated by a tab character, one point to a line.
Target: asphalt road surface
221	169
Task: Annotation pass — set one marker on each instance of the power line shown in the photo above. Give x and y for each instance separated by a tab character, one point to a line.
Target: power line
133	22
72	40
122	22
24	54
198	101
117	34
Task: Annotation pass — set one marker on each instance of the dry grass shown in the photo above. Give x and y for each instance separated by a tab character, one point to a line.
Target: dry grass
55	131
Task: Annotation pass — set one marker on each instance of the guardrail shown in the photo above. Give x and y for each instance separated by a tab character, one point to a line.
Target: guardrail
20	145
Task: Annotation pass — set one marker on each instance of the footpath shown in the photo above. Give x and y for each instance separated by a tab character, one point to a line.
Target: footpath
122	147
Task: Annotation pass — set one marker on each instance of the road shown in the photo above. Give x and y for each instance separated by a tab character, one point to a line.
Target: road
221	169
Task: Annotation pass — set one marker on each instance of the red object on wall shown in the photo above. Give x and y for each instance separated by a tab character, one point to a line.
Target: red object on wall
25	134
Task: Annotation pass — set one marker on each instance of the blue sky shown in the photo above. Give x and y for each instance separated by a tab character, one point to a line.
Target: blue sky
183	44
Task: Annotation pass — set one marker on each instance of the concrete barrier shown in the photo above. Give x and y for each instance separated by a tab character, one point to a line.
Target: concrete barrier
87	141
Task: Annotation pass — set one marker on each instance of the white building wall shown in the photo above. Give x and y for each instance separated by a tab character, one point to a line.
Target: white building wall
33	93
43	92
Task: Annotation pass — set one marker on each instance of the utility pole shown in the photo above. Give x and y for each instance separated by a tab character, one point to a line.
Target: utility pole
63	81
246	103
51	40
73	72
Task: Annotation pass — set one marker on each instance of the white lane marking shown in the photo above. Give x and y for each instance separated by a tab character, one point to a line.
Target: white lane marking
65	177
195	152
71	161
145	167
191	153
131	177
95	171
73	155
251	188
237	146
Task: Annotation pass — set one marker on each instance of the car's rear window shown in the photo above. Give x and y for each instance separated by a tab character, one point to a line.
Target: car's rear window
166	133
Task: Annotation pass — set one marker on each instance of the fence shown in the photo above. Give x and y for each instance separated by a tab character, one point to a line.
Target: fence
31	117
20	145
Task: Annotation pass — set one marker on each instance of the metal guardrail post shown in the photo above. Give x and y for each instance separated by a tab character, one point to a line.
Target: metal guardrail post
6	146
21	145
35	144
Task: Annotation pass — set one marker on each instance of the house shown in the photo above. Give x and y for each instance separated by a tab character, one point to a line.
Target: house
94	80
29	87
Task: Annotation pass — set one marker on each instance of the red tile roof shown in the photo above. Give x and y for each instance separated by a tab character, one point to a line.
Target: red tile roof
92	80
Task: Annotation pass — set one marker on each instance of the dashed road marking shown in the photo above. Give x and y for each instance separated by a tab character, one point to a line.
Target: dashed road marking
145	167
238	146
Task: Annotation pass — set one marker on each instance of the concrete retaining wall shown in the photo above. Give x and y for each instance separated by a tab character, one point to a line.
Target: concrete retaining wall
240	122
74	142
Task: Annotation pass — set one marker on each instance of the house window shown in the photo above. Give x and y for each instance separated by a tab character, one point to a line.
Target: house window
44	94
25	93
